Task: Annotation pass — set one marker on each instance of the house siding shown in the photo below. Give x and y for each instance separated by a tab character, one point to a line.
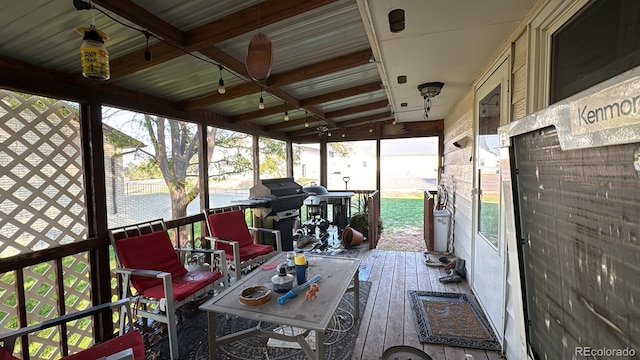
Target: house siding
515	341
458	173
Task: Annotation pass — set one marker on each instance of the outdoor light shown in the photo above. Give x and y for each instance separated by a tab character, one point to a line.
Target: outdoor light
147	53
94	57
221	88
429	90
306	123
261	104
286	115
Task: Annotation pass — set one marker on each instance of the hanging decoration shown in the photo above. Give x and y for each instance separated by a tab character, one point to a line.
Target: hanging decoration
94	57
259	57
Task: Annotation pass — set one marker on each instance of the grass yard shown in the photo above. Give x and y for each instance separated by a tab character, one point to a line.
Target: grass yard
399	213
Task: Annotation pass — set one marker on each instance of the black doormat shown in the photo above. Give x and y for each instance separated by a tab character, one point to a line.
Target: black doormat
451	319
193	336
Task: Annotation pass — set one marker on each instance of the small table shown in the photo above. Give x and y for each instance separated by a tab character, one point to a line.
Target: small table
336	275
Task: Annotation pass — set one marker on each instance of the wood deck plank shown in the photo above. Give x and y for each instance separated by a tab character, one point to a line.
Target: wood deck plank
477	354
376	334
395	321
376	259
411	283
388	319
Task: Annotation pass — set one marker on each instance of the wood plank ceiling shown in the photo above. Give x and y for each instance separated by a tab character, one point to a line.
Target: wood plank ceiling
323	74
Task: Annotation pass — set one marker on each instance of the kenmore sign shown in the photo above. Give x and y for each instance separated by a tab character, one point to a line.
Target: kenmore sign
613	107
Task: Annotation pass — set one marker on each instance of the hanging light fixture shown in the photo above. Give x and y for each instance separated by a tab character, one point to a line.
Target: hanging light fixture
221	88
306	123
286	115
428	91
147	53
261	104
94	57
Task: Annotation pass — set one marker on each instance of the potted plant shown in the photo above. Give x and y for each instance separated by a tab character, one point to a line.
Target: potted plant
360	222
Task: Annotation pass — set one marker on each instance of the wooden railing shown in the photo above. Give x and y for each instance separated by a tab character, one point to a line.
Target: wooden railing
429	204
373	201
187	232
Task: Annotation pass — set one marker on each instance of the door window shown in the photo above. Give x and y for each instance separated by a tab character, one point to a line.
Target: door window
489	166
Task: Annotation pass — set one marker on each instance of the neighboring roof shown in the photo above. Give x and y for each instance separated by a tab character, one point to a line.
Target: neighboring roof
119	139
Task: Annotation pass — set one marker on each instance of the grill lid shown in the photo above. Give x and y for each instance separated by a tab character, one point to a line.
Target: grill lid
275	188
314	189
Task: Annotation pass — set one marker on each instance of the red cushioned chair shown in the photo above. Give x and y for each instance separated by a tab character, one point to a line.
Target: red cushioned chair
126	345
148	263
228	231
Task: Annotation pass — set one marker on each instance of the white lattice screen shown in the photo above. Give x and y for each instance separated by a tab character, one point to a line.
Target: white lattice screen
42	205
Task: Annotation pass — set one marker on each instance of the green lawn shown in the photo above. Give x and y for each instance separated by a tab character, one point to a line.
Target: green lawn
398	213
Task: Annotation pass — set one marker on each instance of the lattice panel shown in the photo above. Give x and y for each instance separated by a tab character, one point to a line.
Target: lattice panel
41	206
41	185
40	284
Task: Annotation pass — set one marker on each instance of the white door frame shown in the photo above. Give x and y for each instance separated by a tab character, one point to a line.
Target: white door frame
495	309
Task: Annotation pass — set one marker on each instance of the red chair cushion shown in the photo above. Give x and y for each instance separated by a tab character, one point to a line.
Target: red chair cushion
130	340
252	251
152	251
230	225
6	355
185	285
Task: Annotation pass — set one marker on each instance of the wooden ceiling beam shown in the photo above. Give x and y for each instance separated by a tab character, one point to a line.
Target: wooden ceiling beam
250	19
260	113
285	78
144	19
293	123
321	68
342	94
235	24
214	97
365	119
375	118
358	109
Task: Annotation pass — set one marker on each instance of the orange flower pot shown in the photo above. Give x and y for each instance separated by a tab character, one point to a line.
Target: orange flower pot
351	237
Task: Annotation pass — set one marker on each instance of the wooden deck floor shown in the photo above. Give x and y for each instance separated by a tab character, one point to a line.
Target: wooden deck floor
388	318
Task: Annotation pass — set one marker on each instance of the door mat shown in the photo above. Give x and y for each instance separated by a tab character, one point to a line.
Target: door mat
451	319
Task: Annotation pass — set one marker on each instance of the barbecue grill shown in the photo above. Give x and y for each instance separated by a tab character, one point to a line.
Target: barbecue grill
278	200
318	199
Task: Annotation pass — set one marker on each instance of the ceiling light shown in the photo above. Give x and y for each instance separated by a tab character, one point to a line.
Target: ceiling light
261	103
402	79
221	88
343	135
286	115
147	53
306	123
429	90
404	104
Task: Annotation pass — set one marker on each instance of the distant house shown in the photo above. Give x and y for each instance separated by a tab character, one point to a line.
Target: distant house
116	144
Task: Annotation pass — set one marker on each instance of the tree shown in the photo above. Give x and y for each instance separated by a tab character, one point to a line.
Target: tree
176	147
